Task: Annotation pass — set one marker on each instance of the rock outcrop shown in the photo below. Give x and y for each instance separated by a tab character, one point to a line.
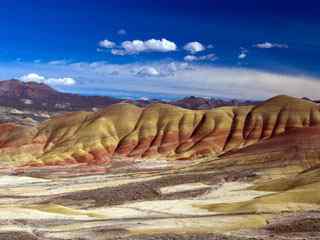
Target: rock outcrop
157	131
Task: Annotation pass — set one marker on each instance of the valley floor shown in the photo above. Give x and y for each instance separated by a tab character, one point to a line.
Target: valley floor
150	200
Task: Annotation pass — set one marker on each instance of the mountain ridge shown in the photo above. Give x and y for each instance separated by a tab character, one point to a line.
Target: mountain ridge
39	96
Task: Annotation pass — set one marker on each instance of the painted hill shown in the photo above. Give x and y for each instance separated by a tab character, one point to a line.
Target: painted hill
157	131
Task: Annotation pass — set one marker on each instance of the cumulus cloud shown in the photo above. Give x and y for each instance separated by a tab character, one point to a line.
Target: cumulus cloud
34	77
122	32
138	46
208	57
194	47
267	45
107	44
151	45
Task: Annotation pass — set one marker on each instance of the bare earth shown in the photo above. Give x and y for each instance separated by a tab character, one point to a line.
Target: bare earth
161	200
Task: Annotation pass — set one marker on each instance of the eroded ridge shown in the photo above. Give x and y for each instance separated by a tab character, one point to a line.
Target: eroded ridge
157	131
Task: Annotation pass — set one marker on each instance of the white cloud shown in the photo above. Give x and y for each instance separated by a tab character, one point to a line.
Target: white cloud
210	46
138	46
148	72
122	32
162	45
151	45
107	44
144	98
267	45
208	57
34	77
134	46
194	47
61	81
242	55
118	52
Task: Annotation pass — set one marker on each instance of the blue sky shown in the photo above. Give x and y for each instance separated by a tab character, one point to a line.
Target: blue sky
167	49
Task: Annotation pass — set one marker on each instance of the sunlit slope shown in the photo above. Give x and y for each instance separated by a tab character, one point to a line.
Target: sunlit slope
157	131
294	193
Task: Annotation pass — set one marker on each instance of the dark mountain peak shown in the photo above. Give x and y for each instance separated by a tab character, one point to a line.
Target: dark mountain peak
16	88
34	95
18	83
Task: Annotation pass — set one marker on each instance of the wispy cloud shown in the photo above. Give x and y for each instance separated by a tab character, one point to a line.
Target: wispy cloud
58	62
267	45
208	57
175	78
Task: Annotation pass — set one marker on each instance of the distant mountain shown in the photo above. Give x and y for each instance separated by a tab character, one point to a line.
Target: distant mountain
193	102
39	96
